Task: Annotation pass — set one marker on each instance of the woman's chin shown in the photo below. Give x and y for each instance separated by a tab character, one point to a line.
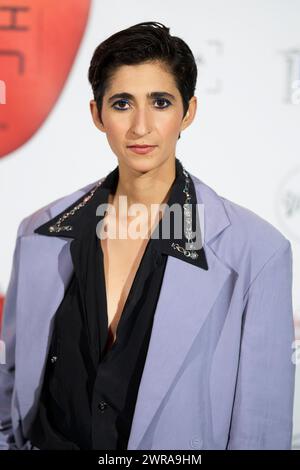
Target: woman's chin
141	163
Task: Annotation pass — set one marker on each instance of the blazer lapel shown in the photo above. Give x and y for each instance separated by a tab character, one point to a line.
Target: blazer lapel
44	273
186	298
46	267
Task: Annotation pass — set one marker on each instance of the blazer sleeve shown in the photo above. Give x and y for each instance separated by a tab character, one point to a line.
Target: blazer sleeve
8	341
263	403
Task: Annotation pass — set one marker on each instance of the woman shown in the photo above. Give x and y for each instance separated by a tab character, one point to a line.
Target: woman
167	340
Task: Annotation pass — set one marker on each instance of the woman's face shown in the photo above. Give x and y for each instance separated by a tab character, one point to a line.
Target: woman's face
139	118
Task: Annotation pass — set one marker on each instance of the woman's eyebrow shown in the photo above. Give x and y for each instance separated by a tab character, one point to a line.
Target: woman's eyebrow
153	94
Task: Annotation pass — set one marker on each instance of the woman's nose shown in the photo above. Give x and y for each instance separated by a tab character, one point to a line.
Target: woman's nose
141	124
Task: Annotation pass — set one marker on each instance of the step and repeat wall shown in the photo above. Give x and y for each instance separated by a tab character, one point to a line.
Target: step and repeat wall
244	141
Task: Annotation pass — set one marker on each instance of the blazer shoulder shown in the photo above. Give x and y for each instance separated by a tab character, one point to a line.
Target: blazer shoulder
249	240
252	227
46	212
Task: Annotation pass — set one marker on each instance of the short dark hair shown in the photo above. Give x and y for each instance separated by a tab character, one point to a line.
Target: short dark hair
143	42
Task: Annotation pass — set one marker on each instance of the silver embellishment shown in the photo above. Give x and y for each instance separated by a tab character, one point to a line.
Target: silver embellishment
187	210
57	226
191	253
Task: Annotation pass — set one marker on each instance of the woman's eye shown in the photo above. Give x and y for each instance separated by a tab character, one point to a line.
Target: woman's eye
118	102
163	100
119	105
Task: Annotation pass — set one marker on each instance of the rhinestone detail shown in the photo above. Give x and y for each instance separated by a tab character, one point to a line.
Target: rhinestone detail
191	253
57	227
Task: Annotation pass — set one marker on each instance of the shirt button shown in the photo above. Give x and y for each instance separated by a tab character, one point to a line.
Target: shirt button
101	406
53	359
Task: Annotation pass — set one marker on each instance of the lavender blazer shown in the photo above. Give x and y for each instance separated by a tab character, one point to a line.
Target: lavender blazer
218	373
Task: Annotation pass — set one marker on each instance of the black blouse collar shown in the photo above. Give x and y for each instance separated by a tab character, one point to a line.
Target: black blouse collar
86	217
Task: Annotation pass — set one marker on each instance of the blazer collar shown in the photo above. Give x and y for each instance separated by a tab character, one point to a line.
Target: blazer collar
168	238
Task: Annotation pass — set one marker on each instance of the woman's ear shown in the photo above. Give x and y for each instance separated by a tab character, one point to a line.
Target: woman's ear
95	115
190	114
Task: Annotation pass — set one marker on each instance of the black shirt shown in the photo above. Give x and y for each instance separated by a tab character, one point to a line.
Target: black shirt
90	388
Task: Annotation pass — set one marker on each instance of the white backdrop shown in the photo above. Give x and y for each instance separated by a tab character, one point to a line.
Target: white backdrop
244	141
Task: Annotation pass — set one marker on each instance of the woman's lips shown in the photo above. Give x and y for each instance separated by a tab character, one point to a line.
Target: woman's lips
142	149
